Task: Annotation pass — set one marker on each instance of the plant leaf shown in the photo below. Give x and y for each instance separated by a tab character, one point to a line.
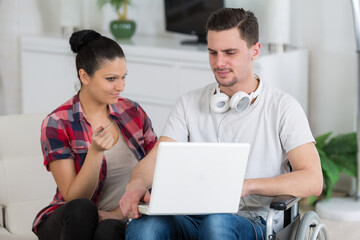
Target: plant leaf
342	144
321	140
101	3
312	200
329	188
346	164
342	150
117	4
330	173
329	168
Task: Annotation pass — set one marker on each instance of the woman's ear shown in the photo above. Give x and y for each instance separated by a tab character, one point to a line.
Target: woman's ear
84	77
255	50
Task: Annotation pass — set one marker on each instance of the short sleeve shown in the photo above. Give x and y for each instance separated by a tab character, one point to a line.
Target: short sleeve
294	126
150	137
175	126
55	143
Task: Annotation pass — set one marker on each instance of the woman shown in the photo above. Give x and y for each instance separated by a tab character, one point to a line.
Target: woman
91	144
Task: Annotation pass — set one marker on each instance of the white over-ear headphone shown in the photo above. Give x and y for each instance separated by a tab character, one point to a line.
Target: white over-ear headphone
220	103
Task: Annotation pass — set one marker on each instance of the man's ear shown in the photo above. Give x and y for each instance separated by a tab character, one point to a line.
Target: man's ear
255	50
84	77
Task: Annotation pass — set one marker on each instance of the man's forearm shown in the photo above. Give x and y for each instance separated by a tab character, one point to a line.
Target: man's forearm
297	184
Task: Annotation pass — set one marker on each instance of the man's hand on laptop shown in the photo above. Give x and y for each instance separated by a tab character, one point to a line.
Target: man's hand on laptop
130	200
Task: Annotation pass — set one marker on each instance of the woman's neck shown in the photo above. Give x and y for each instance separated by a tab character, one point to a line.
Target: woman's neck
91	108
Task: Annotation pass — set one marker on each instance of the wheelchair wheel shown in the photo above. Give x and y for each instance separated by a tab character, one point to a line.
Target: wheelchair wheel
308	223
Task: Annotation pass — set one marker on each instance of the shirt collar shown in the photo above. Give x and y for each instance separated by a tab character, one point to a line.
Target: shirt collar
78	113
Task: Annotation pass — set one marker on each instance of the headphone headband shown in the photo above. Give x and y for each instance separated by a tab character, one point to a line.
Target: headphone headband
257	91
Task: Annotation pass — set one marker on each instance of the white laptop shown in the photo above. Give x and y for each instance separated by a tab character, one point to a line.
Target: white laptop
197	178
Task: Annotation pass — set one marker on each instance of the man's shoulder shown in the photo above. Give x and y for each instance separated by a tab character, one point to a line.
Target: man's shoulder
198	92
279	101
277	95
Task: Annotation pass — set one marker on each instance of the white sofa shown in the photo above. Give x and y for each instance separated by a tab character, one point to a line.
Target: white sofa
25	185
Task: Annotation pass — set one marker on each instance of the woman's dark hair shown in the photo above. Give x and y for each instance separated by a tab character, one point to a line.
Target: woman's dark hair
92	50
227	18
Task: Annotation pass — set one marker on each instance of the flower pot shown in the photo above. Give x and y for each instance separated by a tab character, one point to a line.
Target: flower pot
122	28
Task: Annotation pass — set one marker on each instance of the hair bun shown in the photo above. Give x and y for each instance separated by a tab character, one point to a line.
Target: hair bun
80	38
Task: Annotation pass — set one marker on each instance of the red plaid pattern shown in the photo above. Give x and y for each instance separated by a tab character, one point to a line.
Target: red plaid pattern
65	133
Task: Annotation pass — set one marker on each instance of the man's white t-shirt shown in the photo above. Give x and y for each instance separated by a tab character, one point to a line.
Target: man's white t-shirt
274	124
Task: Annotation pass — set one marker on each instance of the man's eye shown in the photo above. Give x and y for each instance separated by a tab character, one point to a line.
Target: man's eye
230	53
213	53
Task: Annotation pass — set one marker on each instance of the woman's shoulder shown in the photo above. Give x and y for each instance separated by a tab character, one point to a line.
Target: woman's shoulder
126	104
65	112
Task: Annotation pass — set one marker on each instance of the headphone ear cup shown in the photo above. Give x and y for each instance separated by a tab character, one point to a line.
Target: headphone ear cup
240	101
219	102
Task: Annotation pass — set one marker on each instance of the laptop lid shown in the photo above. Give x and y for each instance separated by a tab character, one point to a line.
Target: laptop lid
198	178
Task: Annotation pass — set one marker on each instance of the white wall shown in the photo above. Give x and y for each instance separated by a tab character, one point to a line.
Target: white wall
325	27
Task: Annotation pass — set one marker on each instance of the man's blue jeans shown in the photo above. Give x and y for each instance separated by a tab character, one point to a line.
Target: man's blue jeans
214	226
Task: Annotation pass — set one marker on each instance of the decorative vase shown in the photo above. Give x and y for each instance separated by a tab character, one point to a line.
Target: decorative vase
122	28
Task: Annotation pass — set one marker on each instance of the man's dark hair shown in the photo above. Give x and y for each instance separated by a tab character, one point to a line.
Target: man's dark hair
227	18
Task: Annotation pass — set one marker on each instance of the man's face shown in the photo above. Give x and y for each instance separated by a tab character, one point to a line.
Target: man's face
229	56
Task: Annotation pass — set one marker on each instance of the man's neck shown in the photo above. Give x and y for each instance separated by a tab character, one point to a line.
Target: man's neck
247	85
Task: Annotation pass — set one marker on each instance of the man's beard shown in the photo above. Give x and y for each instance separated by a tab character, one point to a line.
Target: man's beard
233	81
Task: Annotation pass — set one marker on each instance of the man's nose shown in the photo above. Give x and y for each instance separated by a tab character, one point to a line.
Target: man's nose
220	60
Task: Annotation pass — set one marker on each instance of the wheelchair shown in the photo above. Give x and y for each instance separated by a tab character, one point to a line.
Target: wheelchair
308	227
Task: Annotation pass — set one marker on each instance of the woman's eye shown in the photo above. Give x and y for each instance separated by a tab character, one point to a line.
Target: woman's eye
110	79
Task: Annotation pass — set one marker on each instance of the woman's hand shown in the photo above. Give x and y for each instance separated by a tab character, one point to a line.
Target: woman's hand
102	139
114	214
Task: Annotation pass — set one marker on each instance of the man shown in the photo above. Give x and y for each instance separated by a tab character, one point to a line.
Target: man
270	120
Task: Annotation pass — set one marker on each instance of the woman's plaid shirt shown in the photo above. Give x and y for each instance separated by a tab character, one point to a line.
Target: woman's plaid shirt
65	133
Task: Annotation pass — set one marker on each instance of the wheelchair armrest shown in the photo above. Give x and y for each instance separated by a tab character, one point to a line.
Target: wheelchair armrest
283	202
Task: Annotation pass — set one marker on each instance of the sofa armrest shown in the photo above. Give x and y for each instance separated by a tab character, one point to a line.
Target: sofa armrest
2	216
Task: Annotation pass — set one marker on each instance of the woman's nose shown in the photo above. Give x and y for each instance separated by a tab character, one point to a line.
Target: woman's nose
120	85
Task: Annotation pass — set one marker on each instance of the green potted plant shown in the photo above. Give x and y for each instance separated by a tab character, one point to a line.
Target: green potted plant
338	155
121	27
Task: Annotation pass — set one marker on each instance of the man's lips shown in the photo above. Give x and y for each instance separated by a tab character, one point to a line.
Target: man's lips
223	72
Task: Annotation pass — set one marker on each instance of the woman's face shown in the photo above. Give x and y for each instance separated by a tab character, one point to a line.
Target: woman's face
108	81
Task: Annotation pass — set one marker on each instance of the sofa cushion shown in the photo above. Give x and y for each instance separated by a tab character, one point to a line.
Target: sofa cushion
25	185
5	235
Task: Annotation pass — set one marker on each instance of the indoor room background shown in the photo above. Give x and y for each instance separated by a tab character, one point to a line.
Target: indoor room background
318	66
324	27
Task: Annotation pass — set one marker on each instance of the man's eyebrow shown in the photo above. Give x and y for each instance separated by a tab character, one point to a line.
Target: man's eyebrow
229	50
225	50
